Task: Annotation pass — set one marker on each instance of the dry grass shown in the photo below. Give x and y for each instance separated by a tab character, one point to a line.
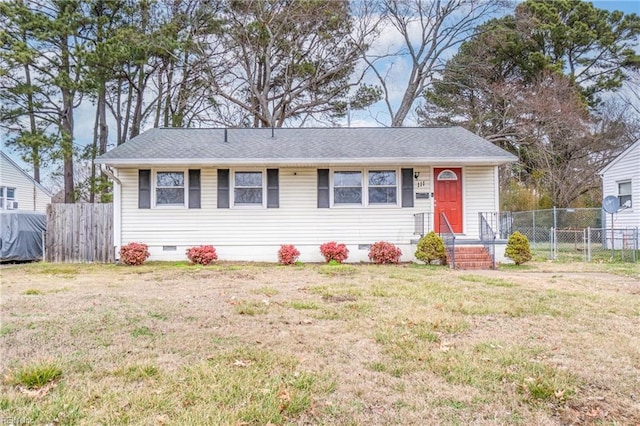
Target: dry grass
260	344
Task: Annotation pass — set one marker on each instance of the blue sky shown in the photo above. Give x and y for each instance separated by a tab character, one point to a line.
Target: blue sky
84	116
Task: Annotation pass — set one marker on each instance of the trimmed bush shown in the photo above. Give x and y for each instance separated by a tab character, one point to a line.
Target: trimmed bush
384	252
134	253
288	254
202	255
430	248
518	248
334	251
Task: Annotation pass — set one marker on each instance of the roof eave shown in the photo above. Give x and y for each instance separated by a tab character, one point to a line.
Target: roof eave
308	162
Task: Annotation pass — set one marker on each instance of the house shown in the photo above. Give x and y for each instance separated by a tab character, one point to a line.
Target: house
18	190
247	191
621	178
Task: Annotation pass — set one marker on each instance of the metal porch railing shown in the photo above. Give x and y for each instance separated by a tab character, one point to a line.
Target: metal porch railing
449	238
422	223
488	236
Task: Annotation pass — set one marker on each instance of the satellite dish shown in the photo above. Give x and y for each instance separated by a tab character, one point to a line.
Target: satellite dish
611	204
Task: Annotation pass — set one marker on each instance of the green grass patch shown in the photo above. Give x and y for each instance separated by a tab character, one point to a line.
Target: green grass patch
304	304
158	315
249	386
36	375
265	291
251	307
489	367
339	269
141	331
490	281
138	372
33	292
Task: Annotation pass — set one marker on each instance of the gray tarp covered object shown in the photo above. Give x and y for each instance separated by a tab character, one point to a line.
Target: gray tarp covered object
21	235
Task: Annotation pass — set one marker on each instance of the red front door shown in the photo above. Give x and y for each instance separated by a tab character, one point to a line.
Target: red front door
447	194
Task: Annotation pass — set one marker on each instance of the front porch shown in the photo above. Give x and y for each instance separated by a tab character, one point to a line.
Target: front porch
481	251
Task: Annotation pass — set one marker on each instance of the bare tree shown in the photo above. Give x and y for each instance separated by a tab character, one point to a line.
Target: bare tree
429	30
285	61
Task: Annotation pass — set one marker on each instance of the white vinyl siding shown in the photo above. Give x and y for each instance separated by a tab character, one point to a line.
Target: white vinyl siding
479	194
28	194
250	234
625	168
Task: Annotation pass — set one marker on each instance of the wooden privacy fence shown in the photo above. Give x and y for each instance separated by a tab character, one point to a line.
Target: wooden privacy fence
80	232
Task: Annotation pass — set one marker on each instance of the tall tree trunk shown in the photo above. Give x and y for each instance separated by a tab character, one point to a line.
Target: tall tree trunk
66	124
35	150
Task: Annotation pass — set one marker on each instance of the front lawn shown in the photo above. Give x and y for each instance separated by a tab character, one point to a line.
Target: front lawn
256	344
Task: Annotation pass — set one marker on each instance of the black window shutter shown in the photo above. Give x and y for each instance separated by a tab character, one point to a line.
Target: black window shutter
273	189
194	189
407	187
223	188
144	189
323	188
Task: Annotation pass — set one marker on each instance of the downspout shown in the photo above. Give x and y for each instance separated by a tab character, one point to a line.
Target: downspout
117	208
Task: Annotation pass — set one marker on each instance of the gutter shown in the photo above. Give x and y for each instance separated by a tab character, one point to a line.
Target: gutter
311	162
117	209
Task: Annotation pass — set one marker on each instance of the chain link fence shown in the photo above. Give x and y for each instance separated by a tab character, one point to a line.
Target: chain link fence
593	244
576	234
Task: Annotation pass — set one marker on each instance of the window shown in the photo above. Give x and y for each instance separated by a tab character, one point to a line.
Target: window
382	187
447	175
170	189
624	194
347	187
7	197
247	189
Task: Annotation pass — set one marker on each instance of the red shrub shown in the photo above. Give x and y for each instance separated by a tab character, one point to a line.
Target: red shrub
202	255
288	254
384	252
334	251
134	253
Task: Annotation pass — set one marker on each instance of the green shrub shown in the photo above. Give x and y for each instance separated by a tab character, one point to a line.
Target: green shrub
518	248
430	248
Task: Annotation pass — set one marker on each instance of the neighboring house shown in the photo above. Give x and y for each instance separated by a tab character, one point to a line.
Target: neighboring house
18	190
247	191
621	178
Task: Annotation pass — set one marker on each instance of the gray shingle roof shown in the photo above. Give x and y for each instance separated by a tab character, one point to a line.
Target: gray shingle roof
415	145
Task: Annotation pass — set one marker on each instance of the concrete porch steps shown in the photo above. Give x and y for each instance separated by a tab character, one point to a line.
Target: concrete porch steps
469	257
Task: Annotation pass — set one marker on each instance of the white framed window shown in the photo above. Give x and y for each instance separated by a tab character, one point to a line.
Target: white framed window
347	187
624	193
170	188
366	187
248	188
7	197
383	187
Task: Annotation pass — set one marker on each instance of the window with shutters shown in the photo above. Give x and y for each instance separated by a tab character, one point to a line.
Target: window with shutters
383	187
347	187
248	188
366	187
170	188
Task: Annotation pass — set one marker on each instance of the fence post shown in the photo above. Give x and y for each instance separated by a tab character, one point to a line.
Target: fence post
588	244
552	249
584	243
534	229
555	218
